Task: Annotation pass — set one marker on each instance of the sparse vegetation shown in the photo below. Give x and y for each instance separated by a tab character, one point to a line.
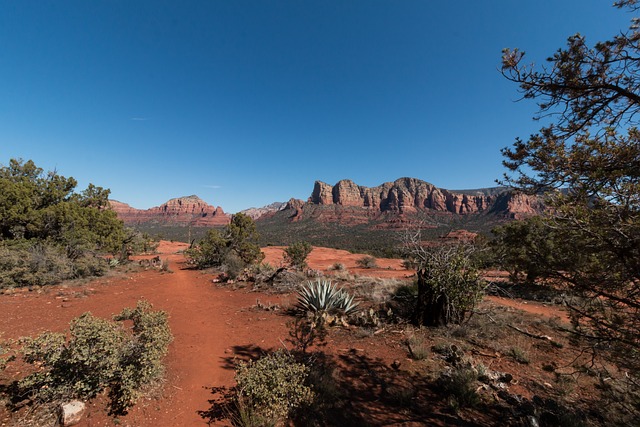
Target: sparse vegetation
271	388
48	232
449	282
337	266
367	262
418	349
323	298
296	255
233	248
459	384
99	355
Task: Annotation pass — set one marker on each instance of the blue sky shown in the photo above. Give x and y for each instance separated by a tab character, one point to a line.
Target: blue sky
249	102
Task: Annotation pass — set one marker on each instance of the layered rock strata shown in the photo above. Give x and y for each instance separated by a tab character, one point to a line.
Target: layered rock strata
190	210
409	195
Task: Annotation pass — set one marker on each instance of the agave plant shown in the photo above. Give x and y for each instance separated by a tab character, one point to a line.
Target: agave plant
322	296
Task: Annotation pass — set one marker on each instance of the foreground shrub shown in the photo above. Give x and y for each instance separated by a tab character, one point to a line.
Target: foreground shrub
100	354
448	280
271	388
460	384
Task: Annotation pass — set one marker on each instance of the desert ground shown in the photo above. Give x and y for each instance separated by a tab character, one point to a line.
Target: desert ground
214	326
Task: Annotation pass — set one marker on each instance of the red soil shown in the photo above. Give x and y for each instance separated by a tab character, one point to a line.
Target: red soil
212	327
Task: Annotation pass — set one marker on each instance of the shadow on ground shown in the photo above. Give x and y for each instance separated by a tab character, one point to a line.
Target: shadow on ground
351	389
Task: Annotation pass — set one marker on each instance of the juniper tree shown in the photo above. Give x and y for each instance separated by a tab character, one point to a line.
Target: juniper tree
586	161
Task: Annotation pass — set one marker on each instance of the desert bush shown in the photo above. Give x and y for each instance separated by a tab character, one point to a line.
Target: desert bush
304	333
38	263
233	265
367	262
165	266
449	284
322	296
273	386
262	272
6	355
99	355
234	244
79	368
296	255
459	385
337	266
519	355
418	348
48	232
141	360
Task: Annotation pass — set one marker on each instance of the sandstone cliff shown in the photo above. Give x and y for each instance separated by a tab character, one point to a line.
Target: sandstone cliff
410	195
190	210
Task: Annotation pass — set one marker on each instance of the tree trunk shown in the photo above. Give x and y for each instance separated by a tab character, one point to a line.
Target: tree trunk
431	309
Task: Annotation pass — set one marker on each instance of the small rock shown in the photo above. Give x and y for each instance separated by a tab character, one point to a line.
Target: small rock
532	421
506	378
71	413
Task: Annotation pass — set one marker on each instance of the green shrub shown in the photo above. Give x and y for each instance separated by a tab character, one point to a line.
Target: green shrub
449	285
519	355
141	359
78	368
296	255
273	387
367	262
337	266
40	263
220	247
233	265
99	355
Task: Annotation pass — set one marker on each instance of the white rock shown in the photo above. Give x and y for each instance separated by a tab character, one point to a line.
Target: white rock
71	413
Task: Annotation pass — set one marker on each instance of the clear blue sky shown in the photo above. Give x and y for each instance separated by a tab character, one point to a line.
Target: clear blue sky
249	102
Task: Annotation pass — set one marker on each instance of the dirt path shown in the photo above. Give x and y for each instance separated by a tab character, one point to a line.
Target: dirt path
204	319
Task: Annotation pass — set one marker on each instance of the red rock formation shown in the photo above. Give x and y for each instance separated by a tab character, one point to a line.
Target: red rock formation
409	195
189	210
296	205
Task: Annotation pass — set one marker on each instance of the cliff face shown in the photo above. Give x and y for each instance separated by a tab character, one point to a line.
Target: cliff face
189	210
410	195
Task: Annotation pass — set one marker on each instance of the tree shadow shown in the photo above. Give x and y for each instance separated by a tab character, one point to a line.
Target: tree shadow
222	405
243	353
376	394
353	389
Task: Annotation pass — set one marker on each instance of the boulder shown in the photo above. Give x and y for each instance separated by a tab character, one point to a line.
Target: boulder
71	413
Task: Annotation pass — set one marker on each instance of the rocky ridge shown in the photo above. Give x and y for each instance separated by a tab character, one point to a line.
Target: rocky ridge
410	195
189	210
256	213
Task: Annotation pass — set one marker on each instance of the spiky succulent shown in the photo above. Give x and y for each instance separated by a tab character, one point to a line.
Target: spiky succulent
324	296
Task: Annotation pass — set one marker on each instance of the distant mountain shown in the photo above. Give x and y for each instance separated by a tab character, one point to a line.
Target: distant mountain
181	211
346	215
411	195
256	213
351	216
